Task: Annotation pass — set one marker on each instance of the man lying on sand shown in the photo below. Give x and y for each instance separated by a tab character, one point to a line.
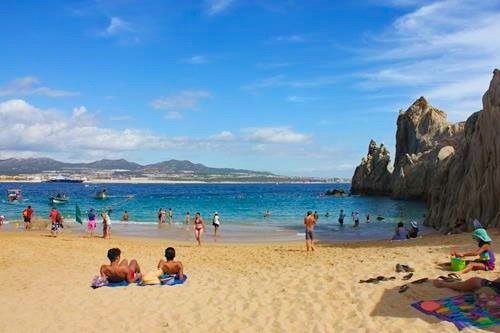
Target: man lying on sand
171	266
120	271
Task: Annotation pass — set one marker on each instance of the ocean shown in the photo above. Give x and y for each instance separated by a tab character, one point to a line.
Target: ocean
241	208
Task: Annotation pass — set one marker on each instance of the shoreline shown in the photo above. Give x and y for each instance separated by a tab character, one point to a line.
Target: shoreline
151	181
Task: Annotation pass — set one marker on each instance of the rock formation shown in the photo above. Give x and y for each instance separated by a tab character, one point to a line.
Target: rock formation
373	176
455	168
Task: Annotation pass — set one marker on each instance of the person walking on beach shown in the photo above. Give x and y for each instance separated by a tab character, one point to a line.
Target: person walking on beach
309	222
56	220
199	227
341	217
27	215
170	216
187	218
216	223
91	223
106	225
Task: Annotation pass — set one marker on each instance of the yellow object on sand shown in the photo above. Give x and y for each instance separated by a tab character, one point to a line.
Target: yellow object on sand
152	278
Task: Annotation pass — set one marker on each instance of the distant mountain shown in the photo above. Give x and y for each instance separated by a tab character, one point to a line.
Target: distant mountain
176	166
14	166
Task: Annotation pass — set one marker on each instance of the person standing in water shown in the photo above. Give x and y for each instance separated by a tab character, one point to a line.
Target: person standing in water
309	222
163	216
316	216
188	218
159	216
216	223
170	216
199	227
355	216
27	215
106	225
368	218
125	216
341	217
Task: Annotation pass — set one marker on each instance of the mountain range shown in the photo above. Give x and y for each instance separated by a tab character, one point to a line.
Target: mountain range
15	166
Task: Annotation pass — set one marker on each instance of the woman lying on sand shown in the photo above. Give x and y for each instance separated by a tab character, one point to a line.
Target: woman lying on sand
486	261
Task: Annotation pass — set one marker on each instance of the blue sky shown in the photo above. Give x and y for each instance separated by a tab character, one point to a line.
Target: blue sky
292	87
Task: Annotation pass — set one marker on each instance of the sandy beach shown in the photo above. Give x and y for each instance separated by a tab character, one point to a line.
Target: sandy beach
231	287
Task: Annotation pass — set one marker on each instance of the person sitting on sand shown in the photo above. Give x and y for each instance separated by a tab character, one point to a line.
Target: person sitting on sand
486	261
399	232
459	227
119	271
413	231
171	266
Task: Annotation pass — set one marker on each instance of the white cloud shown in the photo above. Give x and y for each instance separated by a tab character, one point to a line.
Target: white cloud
173	115
29	85
223	136
279	134
116	26
34	129
291	39
196	60
187	99
446	49
215	7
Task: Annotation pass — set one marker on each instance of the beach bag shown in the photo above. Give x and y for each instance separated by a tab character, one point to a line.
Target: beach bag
99	281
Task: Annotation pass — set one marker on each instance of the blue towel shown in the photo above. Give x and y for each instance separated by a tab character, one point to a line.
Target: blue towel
117	284
173	282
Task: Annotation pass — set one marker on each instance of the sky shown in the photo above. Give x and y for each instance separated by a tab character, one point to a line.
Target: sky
291	87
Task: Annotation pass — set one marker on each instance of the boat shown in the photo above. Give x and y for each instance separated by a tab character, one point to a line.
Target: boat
101	194
14	195
59	199
61	179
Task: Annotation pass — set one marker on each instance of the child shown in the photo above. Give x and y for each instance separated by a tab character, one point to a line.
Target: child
400	232
188	218
486	261
91	224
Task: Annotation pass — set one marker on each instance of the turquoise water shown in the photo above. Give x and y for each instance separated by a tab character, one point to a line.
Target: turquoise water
237	205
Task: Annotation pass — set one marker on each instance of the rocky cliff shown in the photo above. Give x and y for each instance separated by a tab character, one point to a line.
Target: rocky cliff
455	168
373	175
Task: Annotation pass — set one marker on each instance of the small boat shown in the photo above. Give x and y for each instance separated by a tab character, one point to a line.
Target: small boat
14	195
101	195
59	199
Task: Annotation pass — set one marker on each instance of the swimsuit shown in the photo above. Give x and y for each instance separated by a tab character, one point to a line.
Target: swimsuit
492	284
309	234
198	224
488	258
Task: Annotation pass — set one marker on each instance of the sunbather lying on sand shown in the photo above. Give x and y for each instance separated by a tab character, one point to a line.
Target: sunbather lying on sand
171	266
472	284
120	271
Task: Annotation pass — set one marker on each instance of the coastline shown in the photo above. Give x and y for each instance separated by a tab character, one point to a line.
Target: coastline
231	287
153	181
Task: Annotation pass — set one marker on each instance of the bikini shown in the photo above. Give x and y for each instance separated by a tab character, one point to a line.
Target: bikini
198	222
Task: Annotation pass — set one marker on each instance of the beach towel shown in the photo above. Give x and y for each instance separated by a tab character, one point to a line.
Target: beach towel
465	311
171	280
